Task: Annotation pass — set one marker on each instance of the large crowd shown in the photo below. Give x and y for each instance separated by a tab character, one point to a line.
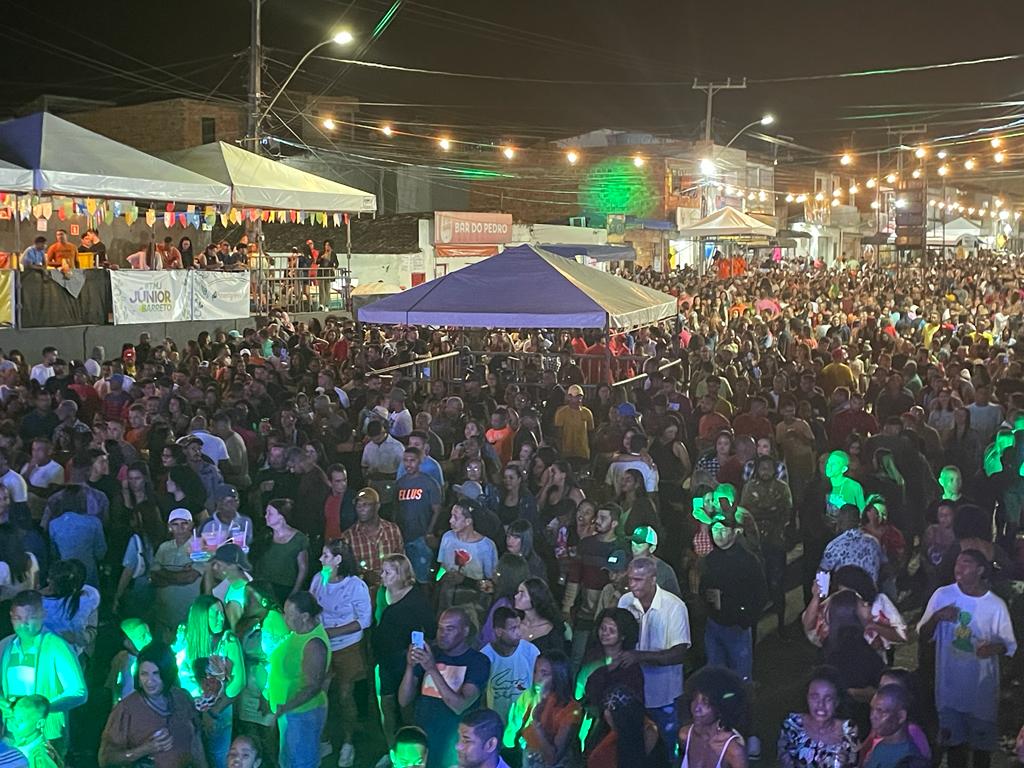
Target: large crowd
552	548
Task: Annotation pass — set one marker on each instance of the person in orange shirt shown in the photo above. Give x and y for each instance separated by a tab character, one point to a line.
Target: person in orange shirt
723	266
739	266
61	252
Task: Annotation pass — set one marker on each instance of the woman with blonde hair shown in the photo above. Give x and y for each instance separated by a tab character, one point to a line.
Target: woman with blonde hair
402	608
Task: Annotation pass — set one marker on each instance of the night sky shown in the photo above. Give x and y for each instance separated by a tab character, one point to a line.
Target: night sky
131	52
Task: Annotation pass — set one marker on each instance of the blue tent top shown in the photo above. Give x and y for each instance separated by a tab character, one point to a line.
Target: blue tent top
525	287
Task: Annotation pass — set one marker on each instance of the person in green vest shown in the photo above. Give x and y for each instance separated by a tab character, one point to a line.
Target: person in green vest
298	670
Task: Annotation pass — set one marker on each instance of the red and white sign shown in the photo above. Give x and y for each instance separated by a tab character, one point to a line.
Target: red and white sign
458	227
465	251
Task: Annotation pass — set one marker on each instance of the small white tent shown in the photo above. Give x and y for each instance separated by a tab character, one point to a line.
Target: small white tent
259	182
728	222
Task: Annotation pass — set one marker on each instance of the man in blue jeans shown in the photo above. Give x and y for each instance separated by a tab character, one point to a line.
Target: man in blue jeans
732	583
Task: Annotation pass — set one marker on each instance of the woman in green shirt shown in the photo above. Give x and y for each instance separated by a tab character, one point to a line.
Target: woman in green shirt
298	669
285	561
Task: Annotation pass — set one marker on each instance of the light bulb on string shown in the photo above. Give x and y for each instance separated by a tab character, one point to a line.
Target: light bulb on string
820	196
996	142
444	143
846	159
508	152
874	205
638	161
942	154
943	170
329	124
801	198
891	178
999	157
998	202
969	164
836	192
572	156
870	183
854	189
917	173
761	196
789	198
920	152
387	130
835	202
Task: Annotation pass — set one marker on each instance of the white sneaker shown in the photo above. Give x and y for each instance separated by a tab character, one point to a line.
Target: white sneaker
347	756
325	749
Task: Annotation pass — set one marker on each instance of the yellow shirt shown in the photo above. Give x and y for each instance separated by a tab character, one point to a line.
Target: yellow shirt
575	428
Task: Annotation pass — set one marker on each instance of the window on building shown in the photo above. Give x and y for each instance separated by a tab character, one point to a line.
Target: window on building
208	127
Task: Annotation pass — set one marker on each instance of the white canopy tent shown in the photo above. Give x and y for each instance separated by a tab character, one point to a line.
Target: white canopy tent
66	159
14	178
953	231
260	182
728	222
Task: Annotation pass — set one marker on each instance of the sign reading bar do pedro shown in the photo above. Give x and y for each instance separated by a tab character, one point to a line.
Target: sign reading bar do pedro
458	227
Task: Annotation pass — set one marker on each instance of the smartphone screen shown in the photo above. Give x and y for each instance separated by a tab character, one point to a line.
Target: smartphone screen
824	580
417	638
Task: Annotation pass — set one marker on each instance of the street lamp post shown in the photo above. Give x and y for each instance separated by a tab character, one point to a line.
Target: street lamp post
766	120
341	38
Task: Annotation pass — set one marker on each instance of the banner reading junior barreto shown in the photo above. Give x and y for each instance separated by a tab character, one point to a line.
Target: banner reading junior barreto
150	296
220	295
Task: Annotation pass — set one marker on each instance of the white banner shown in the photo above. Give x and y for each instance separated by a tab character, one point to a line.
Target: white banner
220	295
150	296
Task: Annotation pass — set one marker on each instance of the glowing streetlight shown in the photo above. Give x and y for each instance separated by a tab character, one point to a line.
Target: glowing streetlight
999	157
508	152
329	124
707	167
444	143
943	170
387	130
344	37
638	161
846	159
969	164
891	178
572	156
920	152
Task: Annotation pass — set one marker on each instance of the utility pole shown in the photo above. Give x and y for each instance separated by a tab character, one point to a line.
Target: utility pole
255	75
711	89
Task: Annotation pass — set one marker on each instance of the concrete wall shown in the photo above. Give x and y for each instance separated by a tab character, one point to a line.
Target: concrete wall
163	125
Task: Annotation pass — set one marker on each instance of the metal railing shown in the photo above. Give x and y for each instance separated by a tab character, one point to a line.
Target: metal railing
300	290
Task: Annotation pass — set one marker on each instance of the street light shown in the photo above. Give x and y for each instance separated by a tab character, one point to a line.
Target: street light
766	120
343	37
707	167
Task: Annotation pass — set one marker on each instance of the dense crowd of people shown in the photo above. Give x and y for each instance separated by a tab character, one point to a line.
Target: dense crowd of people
298	531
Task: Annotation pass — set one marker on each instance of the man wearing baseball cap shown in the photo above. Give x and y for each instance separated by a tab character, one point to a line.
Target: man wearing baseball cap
226	517
175	575
644	542
574	424
372	539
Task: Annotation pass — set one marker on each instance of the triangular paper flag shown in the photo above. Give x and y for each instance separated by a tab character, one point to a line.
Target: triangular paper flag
90	205
169	219
108	216
190	209
47	210
150	216
61	215
224	219
337	219
183	219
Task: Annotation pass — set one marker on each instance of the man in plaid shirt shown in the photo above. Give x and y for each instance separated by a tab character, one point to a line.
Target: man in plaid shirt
372	538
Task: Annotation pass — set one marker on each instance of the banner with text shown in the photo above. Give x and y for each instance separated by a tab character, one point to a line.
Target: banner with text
463	227
150	296
220	295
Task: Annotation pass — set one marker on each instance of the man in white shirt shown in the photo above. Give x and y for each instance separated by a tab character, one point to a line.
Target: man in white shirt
664	638
382	455
42	472
15	483
635	460
213	447
399	418
42	371
512	660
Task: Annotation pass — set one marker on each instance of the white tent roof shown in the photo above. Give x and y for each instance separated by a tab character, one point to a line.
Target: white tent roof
67	159
728	222
958	226
376	288
260	182
14	178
